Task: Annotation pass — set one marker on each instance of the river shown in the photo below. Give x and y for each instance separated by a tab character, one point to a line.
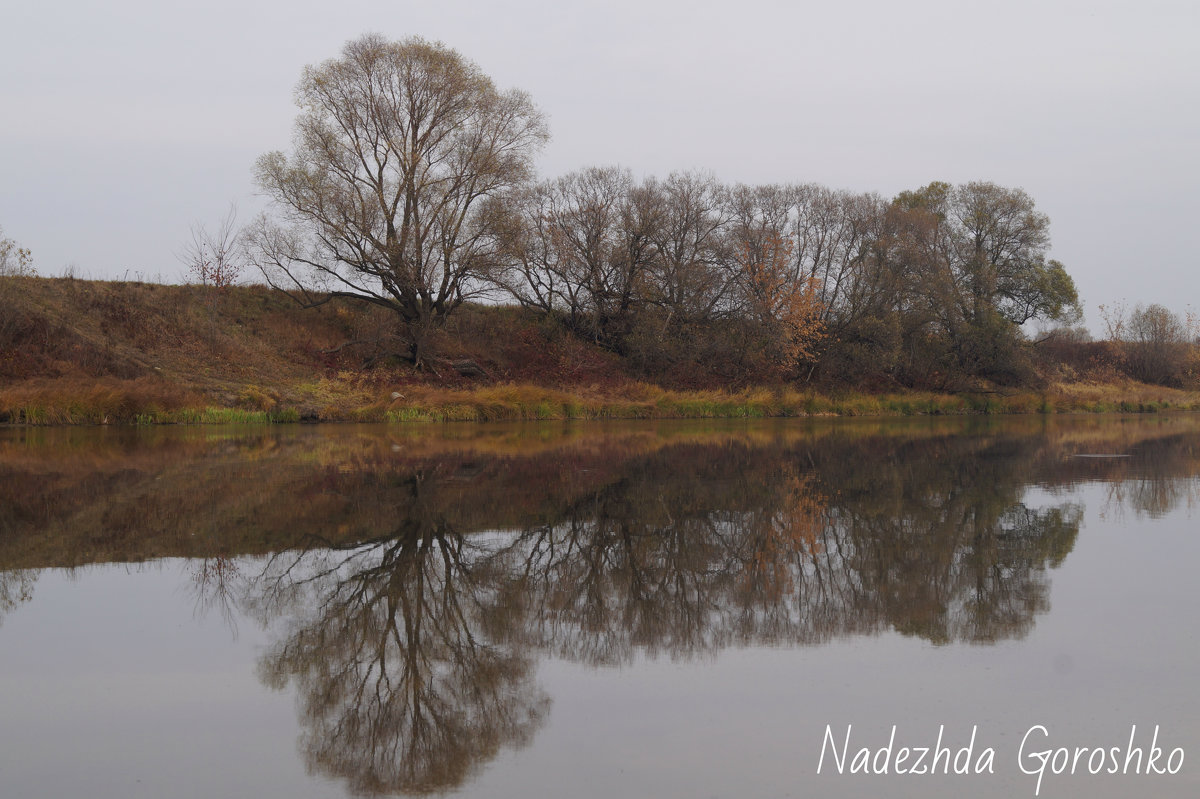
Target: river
638	609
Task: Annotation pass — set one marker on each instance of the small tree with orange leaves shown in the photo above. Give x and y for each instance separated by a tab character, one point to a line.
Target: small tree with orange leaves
784	303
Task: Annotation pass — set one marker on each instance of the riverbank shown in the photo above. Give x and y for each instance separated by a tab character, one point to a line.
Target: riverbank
142	401
93	352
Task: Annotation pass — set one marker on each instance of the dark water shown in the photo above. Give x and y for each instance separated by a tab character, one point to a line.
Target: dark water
658	610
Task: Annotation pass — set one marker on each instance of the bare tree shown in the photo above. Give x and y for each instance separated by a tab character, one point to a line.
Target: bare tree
15	261
583	245
401	150
833	232
215	258
692	276
1157	347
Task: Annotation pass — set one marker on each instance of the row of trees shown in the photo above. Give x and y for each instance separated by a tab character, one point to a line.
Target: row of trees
931	285
1152	343
410	187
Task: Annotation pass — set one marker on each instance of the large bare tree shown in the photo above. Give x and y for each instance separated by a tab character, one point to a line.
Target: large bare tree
401	150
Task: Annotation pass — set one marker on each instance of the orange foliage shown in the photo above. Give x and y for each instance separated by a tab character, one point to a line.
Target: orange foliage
791	536
782	299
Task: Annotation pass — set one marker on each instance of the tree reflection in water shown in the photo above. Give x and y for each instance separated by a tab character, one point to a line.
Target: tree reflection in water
413	582
16	588
413	653
401	688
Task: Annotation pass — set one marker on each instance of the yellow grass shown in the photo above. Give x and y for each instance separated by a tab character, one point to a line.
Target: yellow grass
152	400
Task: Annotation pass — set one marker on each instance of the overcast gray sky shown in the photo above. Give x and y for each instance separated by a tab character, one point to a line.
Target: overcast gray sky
127	121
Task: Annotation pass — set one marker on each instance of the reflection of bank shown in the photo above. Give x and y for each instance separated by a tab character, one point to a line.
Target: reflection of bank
411	635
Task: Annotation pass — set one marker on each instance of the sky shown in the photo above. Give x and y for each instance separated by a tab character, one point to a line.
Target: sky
126	122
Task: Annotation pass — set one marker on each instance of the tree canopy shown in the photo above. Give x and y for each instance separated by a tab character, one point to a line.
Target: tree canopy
784	280
399	147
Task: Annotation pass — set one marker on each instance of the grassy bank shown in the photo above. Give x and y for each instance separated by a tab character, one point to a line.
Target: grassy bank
641	401
110	401
91	352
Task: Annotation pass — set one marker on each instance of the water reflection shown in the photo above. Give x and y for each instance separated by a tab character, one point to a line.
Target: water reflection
16	588
414	582
401	687
218	583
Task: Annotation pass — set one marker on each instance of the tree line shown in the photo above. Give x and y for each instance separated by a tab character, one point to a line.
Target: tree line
788	281
412	186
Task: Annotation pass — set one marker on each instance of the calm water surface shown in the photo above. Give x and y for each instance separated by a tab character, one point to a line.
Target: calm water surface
637	610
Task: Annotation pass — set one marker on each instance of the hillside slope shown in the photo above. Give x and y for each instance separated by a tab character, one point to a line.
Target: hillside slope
166	347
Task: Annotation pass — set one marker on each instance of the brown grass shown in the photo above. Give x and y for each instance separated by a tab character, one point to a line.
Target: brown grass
101	400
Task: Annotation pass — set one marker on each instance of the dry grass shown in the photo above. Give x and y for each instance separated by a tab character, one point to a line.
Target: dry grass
344	398
646	401
103	400
1124	396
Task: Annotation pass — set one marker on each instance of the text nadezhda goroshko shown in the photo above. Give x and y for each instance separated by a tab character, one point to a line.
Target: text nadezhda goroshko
1037	756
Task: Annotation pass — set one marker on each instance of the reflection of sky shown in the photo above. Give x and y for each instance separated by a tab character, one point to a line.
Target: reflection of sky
1134	497
112	687
149	116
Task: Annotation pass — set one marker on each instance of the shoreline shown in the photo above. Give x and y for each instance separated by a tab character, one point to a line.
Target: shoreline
75	352
139	403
